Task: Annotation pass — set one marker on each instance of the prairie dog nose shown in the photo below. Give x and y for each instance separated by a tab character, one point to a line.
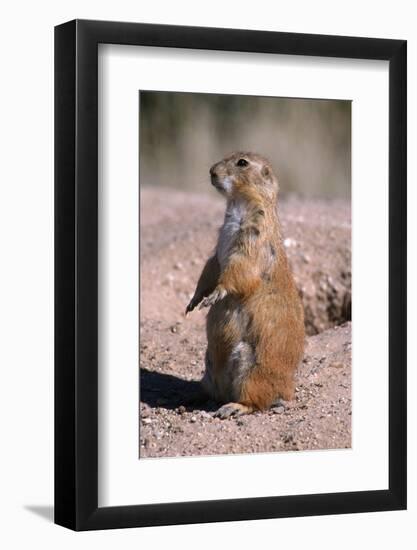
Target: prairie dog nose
213	169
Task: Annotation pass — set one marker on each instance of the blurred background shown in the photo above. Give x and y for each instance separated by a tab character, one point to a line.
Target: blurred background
307	141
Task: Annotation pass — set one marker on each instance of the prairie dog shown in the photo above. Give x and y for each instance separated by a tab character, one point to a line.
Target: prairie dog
255	325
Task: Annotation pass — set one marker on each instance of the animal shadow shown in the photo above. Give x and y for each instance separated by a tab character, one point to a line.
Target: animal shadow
158	389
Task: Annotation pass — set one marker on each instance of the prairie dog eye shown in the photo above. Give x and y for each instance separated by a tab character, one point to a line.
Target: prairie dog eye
242	163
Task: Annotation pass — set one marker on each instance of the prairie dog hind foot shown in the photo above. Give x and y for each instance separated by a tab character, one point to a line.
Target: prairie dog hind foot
232	409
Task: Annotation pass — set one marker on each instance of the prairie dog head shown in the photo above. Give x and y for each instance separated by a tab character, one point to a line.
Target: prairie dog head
244	175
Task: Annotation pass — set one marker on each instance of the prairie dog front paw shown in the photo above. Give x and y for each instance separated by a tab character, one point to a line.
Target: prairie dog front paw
218	294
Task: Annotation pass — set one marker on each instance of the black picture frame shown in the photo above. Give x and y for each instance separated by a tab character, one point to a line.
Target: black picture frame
76	272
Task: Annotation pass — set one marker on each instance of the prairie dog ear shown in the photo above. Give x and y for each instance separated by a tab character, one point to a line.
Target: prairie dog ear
266	172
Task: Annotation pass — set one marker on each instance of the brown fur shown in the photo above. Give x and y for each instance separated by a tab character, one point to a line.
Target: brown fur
255	326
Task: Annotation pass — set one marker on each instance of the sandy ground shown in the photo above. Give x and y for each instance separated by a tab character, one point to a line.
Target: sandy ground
178	232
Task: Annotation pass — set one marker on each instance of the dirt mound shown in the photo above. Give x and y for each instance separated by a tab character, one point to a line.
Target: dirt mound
317	238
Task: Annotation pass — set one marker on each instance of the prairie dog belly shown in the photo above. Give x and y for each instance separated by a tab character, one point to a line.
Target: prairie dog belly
229	354
231	225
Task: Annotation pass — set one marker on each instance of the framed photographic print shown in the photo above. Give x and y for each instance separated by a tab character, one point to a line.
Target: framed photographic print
230	254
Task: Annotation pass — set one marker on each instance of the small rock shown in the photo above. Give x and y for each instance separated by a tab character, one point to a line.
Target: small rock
181	409
306	258
193	419
178	327
278	410
337	365
146	421
289	242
